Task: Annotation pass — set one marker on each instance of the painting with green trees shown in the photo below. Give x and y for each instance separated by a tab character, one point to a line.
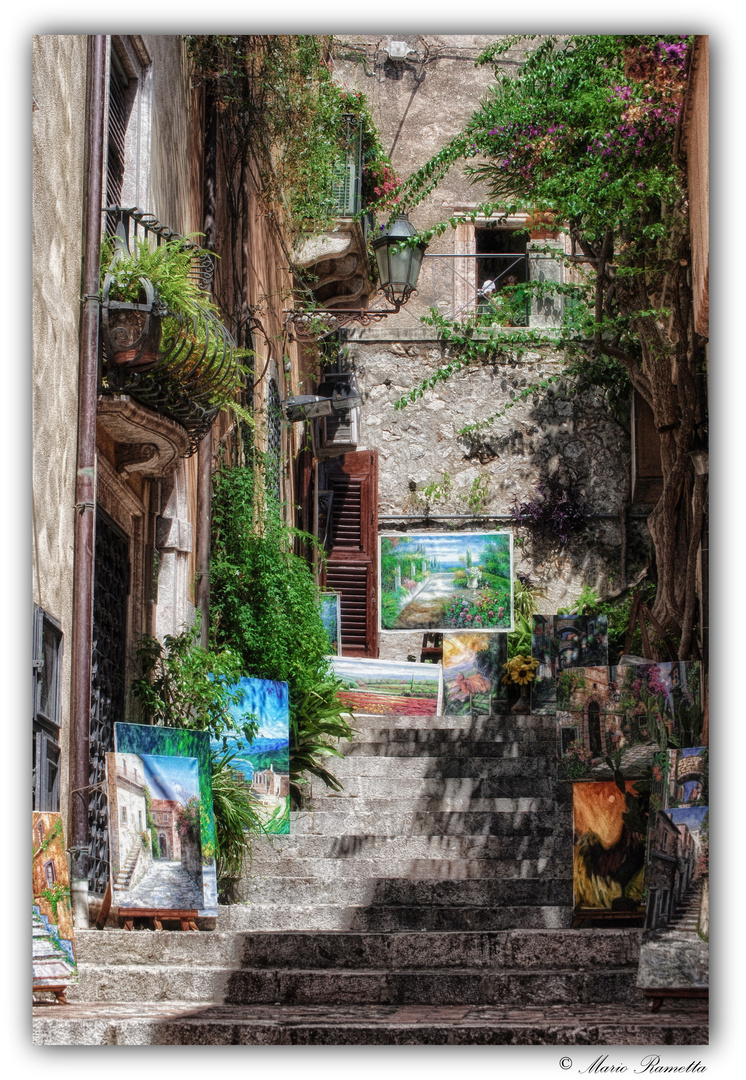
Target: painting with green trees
177	742
330	608
446	581
265	760
564	641
473	669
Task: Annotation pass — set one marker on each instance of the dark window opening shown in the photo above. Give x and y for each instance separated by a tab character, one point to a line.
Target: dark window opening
47	662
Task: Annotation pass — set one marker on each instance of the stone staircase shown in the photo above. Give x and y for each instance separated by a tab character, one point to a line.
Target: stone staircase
686	917
428	903
125	874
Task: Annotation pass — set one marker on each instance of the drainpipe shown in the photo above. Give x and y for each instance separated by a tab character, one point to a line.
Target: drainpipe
85	484
204	451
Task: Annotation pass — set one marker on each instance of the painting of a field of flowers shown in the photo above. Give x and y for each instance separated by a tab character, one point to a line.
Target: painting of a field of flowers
389	686
446	581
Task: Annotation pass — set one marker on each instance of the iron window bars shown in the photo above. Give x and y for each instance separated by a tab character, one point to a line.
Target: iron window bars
186	376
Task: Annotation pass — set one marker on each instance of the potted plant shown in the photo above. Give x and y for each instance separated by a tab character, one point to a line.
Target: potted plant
519	671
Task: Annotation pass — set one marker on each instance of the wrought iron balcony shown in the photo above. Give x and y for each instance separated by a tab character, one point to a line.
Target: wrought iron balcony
187	372
465	285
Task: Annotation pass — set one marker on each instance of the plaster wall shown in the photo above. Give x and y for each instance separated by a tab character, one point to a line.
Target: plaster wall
58	119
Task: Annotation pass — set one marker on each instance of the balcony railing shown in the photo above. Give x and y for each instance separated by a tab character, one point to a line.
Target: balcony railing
465	285
187	375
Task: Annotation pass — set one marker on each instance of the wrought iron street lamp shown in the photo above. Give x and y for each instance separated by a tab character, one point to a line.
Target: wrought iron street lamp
398	261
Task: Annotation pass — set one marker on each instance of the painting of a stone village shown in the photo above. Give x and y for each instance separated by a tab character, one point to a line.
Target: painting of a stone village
473	669
633	709
609	856
265	761
559	642
150	740
154	832
446	581
54	963
675	944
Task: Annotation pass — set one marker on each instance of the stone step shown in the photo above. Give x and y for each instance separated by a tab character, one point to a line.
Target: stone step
519	949
528	801
470	892
438	768
439	743
357	822
468	727
332	868
394	918
680	1023
349	847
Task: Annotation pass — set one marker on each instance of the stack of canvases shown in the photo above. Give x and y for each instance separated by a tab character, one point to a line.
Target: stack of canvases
162	828
629	739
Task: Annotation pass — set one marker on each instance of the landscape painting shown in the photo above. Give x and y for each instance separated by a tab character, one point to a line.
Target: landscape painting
155	843
446	581
675	942
146	739
473	667
330	606
635	709
54	963
608	857
389	686
564	641
265	761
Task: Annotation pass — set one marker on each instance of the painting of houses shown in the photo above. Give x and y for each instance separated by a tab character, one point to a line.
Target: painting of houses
54	963
675	944
145	739
446	581
608	857
634	709
564	641
265	761
154	832
389	686
330	607
473	667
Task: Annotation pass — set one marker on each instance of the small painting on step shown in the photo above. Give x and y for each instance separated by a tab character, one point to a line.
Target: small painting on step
473	666
609	852
54	963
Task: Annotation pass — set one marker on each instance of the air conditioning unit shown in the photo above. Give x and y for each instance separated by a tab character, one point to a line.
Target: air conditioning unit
340	430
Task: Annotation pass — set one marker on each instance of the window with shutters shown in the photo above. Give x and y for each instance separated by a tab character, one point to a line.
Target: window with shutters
348	171
129	124
47	662
352	562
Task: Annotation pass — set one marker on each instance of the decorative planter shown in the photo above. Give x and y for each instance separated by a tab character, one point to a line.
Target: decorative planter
131	333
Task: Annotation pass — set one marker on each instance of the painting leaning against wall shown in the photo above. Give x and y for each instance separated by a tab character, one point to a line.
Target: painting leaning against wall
179	742
331	617
389	686
608	857
473	667
54	963
563	641
446	581
265	761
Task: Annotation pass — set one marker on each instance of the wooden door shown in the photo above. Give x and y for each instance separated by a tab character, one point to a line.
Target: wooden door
352	564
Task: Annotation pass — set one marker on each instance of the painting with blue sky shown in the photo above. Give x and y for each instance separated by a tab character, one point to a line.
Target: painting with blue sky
265	761
147	739
389	686
446	581
330	608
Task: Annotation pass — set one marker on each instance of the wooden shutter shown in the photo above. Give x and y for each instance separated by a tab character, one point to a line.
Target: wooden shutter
352	564
647	473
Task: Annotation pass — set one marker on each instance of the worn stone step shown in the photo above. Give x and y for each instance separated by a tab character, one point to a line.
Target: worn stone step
442	768
349	847
415	869
585	949
472	728
349	801
470	892
421	822
679	1024
394	918
440	742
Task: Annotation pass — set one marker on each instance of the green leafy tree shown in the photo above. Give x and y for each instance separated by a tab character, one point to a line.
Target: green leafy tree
584	138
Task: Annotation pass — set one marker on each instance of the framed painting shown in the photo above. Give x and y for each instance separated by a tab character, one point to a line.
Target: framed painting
473	667
155	840
54	963
389	686
146	739
265	761
674	955
563	641
446	581
331	616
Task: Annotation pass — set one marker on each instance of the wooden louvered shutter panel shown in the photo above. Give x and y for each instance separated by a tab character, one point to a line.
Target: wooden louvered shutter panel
118	112
352	565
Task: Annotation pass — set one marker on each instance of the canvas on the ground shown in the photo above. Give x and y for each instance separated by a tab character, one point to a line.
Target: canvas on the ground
265	761
330	605
634	709
675	942
608	858
564	641
473	667
54	963
389	686
446	581
155	841
179	742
